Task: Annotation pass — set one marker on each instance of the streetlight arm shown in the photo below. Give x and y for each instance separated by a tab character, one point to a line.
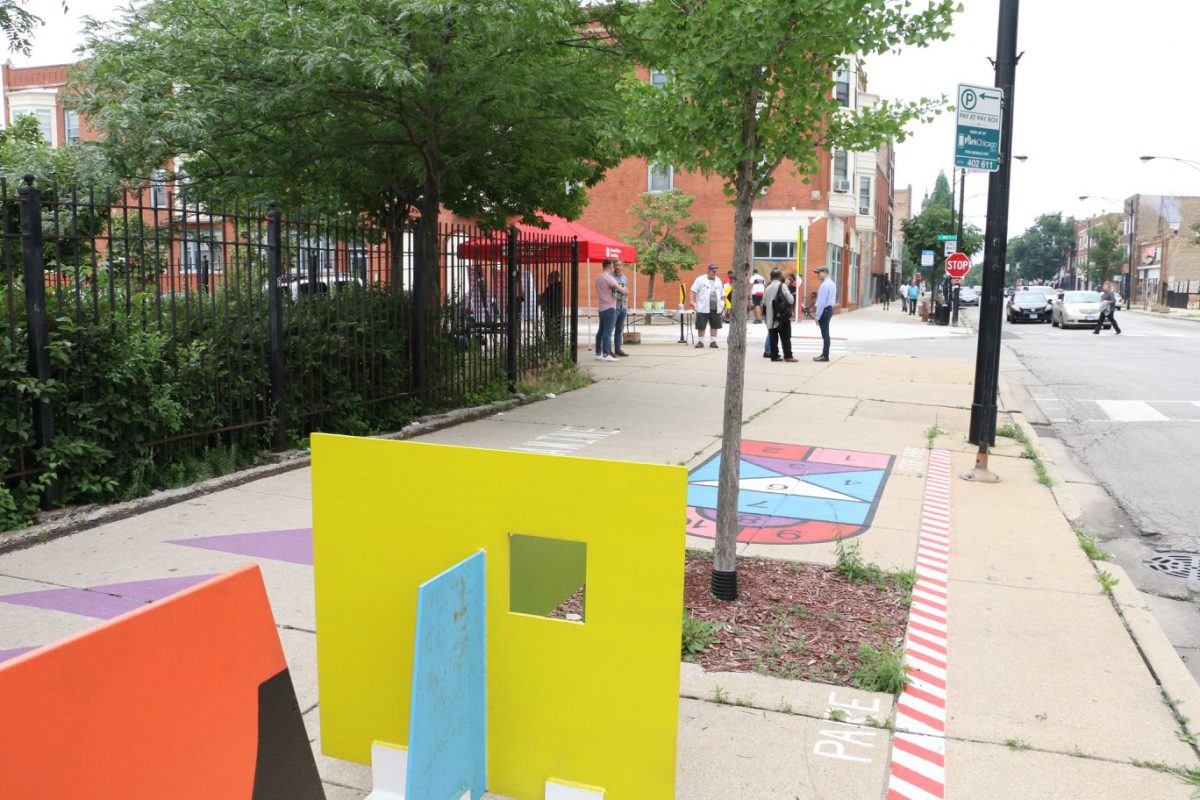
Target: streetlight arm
1193	164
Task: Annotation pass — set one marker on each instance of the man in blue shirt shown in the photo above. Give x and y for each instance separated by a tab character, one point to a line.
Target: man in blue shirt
826	297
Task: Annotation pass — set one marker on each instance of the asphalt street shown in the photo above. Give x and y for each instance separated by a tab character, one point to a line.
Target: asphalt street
1120	416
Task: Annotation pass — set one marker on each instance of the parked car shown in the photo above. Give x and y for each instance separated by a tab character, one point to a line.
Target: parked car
1075	309
968	296
1028	307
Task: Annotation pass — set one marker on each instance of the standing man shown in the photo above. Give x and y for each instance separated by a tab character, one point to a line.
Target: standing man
826	297
707	297
778	301
914	292
904	297
606	290
1108	308
887	292
619	322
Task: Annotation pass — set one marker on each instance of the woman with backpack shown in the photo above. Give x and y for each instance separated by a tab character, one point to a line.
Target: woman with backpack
778	301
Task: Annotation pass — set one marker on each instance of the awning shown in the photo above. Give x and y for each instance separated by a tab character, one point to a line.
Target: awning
552	244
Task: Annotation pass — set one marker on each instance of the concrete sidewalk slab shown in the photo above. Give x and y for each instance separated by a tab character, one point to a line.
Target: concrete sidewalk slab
998	773
804	698
732	753
1021	667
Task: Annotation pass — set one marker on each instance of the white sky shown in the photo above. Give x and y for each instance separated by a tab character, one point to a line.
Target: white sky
1101	83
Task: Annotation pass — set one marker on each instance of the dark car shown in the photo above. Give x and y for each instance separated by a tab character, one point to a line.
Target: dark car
1028	307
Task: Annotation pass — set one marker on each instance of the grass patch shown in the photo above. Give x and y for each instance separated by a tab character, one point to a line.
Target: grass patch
1028	451
880	670
1189	775
1107	581
932	434
1016	745
1009	431
1089	546
697	635
562	376
850	564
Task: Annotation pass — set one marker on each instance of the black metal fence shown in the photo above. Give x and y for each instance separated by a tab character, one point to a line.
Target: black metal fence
139	328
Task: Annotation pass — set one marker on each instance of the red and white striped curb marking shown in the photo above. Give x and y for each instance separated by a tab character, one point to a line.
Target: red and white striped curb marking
919	747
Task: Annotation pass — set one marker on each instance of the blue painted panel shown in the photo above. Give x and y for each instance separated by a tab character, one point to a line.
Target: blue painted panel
447	734
863	485
748	502
824	510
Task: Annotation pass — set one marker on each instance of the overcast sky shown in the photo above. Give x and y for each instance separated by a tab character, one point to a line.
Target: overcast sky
1100	84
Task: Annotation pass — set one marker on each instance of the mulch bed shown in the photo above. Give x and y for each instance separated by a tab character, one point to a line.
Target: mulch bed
794	620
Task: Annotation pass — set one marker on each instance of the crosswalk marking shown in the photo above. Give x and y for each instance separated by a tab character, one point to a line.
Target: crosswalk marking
1130	411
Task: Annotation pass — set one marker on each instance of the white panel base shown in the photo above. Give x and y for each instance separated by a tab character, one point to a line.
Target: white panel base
389	771
565	790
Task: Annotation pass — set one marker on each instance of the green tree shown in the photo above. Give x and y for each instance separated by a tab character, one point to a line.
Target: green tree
1105	252
18	24
752	84
1041	251
490	108
664	235
921	232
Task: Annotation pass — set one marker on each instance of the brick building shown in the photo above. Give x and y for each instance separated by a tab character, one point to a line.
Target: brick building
1166	253
37	92
843	210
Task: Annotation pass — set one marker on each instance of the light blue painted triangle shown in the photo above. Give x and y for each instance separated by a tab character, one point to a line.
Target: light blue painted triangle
863	485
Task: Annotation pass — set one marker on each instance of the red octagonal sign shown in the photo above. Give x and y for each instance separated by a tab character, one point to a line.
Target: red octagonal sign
958	265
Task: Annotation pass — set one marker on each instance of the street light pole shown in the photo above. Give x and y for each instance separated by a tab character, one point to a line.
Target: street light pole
987	360
958	240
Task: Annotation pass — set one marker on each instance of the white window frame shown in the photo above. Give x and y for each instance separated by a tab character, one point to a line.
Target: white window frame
864	204
68	136
44	117
658	169
844	156
843	77
659	77
158	189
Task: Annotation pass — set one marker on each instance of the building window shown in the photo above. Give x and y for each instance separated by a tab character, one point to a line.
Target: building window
158	189
72	120
864	195
841	87
853	277
661	178
658	77
42	115
833	260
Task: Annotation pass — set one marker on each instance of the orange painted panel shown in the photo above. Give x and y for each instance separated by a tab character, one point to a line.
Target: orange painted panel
158	703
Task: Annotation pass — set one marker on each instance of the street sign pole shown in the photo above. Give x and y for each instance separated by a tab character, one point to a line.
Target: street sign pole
987	360
962	195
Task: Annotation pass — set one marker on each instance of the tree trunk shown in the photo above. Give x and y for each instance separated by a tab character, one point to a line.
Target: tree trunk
724	579
650	286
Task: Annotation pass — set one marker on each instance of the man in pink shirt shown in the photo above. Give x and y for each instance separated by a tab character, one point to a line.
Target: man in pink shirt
606	287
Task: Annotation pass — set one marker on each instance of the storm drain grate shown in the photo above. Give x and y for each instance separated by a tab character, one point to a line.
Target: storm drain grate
1177	565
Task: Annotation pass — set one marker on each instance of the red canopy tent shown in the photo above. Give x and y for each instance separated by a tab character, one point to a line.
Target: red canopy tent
545	242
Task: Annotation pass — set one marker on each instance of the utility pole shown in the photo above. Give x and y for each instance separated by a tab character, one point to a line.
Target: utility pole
958	238
987	359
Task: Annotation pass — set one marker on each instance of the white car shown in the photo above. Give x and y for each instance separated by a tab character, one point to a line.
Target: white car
1077	308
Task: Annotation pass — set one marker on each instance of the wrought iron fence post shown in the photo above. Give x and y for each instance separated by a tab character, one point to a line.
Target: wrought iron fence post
575	300
276	288
420	309
35	313
513	310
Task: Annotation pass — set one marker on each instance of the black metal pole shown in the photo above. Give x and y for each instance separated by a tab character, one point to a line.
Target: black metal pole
35	315
575	300
512	309
275	321
1130	278
418	322
958	239
987	359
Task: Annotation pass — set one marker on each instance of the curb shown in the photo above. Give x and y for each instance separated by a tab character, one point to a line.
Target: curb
92	516
1164	662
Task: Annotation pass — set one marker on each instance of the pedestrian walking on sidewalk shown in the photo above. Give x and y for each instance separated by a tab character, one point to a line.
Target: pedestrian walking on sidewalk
1108	308
707	297
914	291
903	292
619	322
778	301
887	293
826	297
607	289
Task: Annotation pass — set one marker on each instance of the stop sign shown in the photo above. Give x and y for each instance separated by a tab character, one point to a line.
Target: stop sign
958	265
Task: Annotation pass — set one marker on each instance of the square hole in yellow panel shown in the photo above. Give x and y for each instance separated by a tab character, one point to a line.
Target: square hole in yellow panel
547	577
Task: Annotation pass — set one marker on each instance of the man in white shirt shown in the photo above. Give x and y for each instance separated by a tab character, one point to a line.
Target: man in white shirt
707	299
826	297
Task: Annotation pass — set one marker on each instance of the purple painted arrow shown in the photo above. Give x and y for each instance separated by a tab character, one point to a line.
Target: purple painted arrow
104	602
294	545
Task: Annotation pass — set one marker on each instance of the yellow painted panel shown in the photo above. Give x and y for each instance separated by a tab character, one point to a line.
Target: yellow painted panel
595	703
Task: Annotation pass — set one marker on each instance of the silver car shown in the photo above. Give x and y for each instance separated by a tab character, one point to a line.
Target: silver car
1078	308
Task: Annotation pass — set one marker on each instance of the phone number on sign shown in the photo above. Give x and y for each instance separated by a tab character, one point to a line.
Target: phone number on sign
982	163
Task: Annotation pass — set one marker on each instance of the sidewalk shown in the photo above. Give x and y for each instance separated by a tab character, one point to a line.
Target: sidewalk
1051	687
